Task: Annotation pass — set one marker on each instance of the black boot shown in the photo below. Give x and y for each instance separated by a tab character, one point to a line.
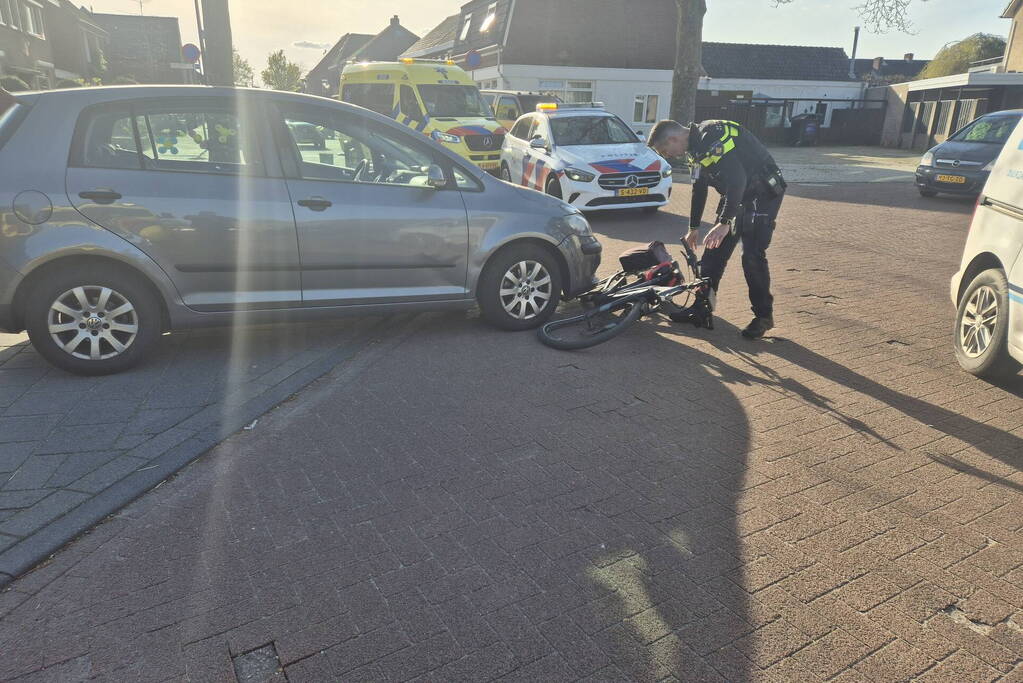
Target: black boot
758	328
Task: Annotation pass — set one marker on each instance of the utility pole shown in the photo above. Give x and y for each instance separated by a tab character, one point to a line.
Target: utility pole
856	44
217	44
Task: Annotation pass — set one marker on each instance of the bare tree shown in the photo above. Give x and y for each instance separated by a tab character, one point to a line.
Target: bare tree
880	16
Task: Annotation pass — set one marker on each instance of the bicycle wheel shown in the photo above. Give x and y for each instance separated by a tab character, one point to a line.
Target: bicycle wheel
591	328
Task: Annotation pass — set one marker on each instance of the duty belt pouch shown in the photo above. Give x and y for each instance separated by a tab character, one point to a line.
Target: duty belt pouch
643	258
774	182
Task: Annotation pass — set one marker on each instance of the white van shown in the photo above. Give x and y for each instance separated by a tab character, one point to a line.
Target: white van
988	289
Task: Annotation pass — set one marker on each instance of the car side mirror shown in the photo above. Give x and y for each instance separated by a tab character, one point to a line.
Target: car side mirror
435	177
538	143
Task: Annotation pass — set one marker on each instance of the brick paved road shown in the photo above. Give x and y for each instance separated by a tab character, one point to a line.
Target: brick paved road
462	504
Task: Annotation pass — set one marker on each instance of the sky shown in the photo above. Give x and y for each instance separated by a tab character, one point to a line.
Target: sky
304	28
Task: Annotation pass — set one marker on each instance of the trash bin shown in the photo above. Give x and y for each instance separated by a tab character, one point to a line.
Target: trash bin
805	130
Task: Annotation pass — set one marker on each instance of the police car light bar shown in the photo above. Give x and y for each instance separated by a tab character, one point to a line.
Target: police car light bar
555	106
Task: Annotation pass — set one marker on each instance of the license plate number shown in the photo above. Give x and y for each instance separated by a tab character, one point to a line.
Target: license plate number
633	191
955	179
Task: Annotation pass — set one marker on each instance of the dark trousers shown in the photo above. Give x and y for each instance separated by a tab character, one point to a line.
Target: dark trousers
756	228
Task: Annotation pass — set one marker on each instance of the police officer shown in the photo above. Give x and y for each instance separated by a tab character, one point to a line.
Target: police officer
729	158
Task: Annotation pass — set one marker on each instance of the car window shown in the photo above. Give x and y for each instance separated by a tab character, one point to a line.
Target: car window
409	104
355	150
534	128
456	101
521	128
197	140
591	130
508	109
109	140
378	97
988	129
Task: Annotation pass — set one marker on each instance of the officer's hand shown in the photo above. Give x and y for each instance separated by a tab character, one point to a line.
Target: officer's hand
716	236
692	238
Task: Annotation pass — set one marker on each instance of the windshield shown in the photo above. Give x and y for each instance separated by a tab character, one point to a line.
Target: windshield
455	101
993	130
591	130
529	102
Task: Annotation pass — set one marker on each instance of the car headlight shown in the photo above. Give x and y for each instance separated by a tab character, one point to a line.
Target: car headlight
579	176
445	137
991	165
667	172
578	224
927	159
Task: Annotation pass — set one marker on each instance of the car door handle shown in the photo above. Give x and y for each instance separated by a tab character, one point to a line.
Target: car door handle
316	203
101	196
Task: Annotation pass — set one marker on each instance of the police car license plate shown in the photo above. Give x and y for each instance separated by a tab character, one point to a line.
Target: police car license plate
633	191
954	179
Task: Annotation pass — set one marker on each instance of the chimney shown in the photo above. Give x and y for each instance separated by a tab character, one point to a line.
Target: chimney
908	56
852	60
394	20
878	61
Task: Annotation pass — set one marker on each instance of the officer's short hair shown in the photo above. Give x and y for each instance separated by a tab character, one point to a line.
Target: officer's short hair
663	130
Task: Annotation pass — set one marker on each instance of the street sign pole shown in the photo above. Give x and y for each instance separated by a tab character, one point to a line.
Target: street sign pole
218	54
202	42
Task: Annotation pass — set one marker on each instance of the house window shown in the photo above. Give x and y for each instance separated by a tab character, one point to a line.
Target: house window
488	22
489	85
645	110
570	92
465	27
9	13
32	18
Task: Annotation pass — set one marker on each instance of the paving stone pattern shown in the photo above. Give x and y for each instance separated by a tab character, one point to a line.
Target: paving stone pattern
74	449
837	503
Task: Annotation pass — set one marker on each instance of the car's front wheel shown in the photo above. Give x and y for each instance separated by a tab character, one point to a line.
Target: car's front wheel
91	320
924	192
982	327
520	288
554	188
505	173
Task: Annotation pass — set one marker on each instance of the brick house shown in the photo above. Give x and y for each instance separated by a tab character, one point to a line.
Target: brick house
43	42
144	49
324	78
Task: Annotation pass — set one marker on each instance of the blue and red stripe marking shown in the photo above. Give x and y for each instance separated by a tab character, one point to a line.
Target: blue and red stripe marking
474	130
1016	293
622	166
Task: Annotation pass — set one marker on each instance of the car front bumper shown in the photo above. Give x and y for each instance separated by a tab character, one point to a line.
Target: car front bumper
582	257
9	279
927	179
592	197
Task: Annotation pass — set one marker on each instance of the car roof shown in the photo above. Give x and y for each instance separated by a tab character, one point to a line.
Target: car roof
516	92
576	112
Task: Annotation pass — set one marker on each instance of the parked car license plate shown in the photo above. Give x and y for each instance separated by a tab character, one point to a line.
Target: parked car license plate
956	179
633	191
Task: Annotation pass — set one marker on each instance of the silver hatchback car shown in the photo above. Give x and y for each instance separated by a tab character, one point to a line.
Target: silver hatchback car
126	212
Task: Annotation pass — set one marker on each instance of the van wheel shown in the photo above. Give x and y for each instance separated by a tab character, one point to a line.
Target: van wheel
982	327
520	288
554	188
924	192
505	173
91	320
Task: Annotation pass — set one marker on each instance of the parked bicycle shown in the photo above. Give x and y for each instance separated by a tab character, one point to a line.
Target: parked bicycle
649	282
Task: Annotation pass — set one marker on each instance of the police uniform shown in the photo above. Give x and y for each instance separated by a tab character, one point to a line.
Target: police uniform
734	162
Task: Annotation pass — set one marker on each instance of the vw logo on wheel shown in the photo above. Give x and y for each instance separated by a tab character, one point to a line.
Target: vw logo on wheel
632	181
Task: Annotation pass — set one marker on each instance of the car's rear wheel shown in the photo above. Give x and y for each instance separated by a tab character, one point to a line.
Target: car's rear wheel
520	288
982	327
924	192
92	320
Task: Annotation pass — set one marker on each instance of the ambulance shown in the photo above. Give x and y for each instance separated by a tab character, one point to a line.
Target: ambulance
435	98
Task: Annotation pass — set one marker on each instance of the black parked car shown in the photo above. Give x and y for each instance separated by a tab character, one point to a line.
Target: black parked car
961	164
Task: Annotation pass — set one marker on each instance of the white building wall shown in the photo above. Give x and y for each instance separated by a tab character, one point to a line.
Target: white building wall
618	88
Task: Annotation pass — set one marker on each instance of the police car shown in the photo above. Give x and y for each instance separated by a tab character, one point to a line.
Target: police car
587	156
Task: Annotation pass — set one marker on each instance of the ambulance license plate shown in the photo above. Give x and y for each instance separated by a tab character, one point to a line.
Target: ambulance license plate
633	191
954	179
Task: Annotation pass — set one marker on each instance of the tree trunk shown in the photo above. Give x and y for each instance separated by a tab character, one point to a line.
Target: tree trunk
688	59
